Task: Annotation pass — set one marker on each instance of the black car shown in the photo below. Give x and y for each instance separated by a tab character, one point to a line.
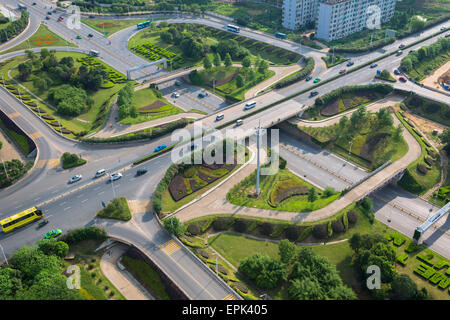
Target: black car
308	78
350	63
49	13
314	93
140	172
34	3
373	65
47	18
90	35
396	72
193	146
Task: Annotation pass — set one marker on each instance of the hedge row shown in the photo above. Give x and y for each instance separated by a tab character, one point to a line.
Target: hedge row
302	74
377	87
86	233
155	133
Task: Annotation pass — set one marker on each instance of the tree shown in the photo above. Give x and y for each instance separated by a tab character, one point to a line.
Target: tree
286	250
328	192
25	70
312	195
30	54
217	60
207	63
384	118
403	288
10	283
315	278
417	23
385	74
69	100
247	62
381	255
397	132
240	82
266	272
44	53
53	247
263	66
173	226
366	241
228	62
31	261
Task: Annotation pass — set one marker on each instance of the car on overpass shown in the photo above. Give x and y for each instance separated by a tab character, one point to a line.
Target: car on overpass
161	147
75	178
53	234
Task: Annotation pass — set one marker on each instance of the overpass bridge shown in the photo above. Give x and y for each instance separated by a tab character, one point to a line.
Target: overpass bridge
430	222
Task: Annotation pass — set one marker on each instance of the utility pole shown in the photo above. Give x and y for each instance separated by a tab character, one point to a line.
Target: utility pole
4	256
4	167
60	130
350	151
214	85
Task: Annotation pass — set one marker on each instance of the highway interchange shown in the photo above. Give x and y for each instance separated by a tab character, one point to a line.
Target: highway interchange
72	206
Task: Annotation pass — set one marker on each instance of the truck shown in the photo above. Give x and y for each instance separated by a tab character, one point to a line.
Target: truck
280	35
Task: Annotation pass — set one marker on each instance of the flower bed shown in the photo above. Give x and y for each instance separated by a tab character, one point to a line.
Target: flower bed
177	188
46	117
113	76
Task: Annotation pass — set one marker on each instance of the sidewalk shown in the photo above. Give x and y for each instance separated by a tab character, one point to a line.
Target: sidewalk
129	287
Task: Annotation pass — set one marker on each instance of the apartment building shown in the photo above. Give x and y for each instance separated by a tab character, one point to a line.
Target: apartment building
297	13
334	18
340	18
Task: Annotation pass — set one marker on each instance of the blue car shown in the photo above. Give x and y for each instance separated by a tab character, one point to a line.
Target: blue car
308	78
161	147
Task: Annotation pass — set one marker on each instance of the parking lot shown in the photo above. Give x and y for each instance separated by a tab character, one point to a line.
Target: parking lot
186	96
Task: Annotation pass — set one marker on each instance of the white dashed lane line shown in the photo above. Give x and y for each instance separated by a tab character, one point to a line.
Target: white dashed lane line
65	209
83	201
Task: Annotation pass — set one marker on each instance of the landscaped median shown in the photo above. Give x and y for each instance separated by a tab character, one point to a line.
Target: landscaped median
71	160
425	172
117	209
182	183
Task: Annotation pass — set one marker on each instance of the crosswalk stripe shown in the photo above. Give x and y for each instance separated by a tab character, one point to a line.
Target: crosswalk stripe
170	247
36	135
229	297
13	115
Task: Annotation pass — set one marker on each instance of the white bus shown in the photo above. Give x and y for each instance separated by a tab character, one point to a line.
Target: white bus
233	28
250	105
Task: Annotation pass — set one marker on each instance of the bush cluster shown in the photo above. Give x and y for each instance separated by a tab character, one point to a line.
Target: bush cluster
328	97
302	74
86	233
15	28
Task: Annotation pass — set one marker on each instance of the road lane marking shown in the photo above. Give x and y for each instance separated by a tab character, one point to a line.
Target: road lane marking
229	297
61	204
66	208
51	163
101	192
170	247
14	115
83	201
36	135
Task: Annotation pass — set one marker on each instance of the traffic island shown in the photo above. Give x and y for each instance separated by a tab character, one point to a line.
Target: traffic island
117	209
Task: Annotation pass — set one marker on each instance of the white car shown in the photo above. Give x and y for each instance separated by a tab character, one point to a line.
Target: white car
115	176
175	95
75	178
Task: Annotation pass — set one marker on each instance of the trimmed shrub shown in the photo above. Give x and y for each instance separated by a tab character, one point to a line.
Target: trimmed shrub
266	228
337	226
320	231
86	233
305	233
194	229
222	269
352	217
345	221
293	232
241	287
222	223
422	169
329	229
241	225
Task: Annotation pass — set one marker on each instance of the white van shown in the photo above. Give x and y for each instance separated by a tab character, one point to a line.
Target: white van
250	105
239	122
100	173
219	117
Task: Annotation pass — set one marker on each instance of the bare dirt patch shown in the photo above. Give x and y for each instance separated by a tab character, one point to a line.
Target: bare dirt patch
155	105
9	151
433	80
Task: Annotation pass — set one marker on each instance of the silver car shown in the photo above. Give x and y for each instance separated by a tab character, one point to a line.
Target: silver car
75	178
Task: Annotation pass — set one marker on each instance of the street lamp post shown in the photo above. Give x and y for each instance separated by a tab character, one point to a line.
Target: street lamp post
4	167
350	150
4	256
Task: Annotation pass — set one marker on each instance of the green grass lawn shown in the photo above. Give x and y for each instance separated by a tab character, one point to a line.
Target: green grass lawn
170	205
235	247
269	184
332	61
147	276
110	26
117	209
370	147
434	111
94	284
84	121
145	97
428	66
4	25
433	175
42	38
19	140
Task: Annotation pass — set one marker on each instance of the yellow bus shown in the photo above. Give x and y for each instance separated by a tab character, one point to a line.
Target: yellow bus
20	219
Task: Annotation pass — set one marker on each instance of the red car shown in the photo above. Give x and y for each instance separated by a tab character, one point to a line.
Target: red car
402	79
401	46
342	71
60	19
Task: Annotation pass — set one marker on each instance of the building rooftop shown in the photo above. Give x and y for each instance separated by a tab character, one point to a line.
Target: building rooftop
333	1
